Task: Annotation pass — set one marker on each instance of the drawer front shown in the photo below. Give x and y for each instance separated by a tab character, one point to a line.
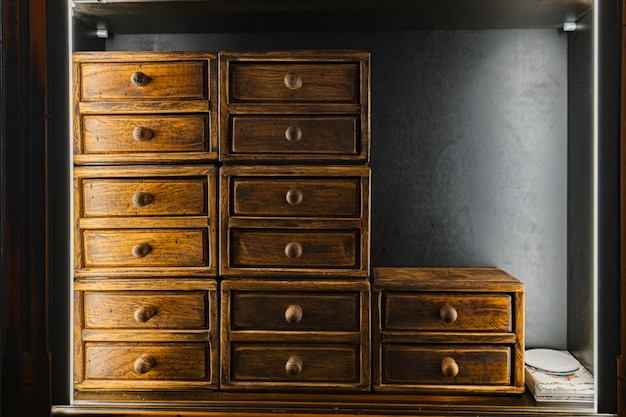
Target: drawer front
110	197
324	248
447	311
295	135
296	311
160	247
294	82
145	80
105	134
163	361
295	197
146	309
446	364
295	363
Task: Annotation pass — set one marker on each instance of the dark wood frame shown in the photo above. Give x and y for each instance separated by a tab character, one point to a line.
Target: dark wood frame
29	76
25	362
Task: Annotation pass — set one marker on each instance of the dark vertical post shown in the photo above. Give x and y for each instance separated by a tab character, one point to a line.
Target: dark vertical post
25	369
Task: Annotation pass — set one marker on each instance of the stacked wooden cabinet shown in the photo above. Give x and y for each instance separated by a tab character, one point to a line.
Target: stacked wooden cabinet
145	204
293	232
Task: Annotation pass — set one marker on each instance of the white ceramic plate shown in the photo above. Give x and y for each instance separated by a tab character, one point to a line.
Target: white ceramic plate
550	360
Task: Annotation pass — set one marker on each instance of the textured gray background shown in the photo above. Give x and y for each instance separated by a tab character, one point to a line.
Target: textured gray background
468	154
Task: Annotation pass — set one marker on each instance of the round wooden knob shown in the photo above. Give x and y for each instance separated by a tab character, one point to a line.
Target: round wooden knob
293	314
144	363
294	197
142	199
144	313
293	134
142	134
294	365
139	79
141	250
293	250
449	367
293	81
448	314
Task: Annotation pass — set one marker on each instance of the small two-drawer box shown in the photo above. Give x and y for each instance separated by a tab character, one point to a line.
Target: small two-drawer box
146	334
295	335
302	106
145	220
143	107
286	220
447	330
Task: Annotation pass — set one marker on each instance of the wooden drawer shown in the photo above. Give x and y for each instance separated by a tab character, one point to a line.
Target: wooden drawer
149	247
115	134
294	82
290	191
250	248
295	311
146	309
298	364
446	364
144	80
296	197
322	135
154	361
132	191
432	311
111	197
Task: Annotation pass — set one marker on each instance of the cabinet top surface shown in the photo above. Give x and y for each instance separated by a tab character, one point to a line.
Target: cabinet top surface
445	279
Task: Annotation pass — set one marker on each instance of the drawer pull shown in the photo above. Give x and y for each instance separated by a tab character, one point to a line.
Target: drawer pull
293	250
449	367
294	197
144	363
294	365
142	134
144	313
293	81
142	199
293	314
139	79
293	134
141	250
448	314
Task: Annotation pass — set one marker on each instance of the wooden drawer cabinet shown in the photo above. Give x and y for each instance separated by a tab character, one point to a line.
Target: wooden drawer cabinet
141	334
294	219
447	330
140	107
305	106
133	219
295	335
145	210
